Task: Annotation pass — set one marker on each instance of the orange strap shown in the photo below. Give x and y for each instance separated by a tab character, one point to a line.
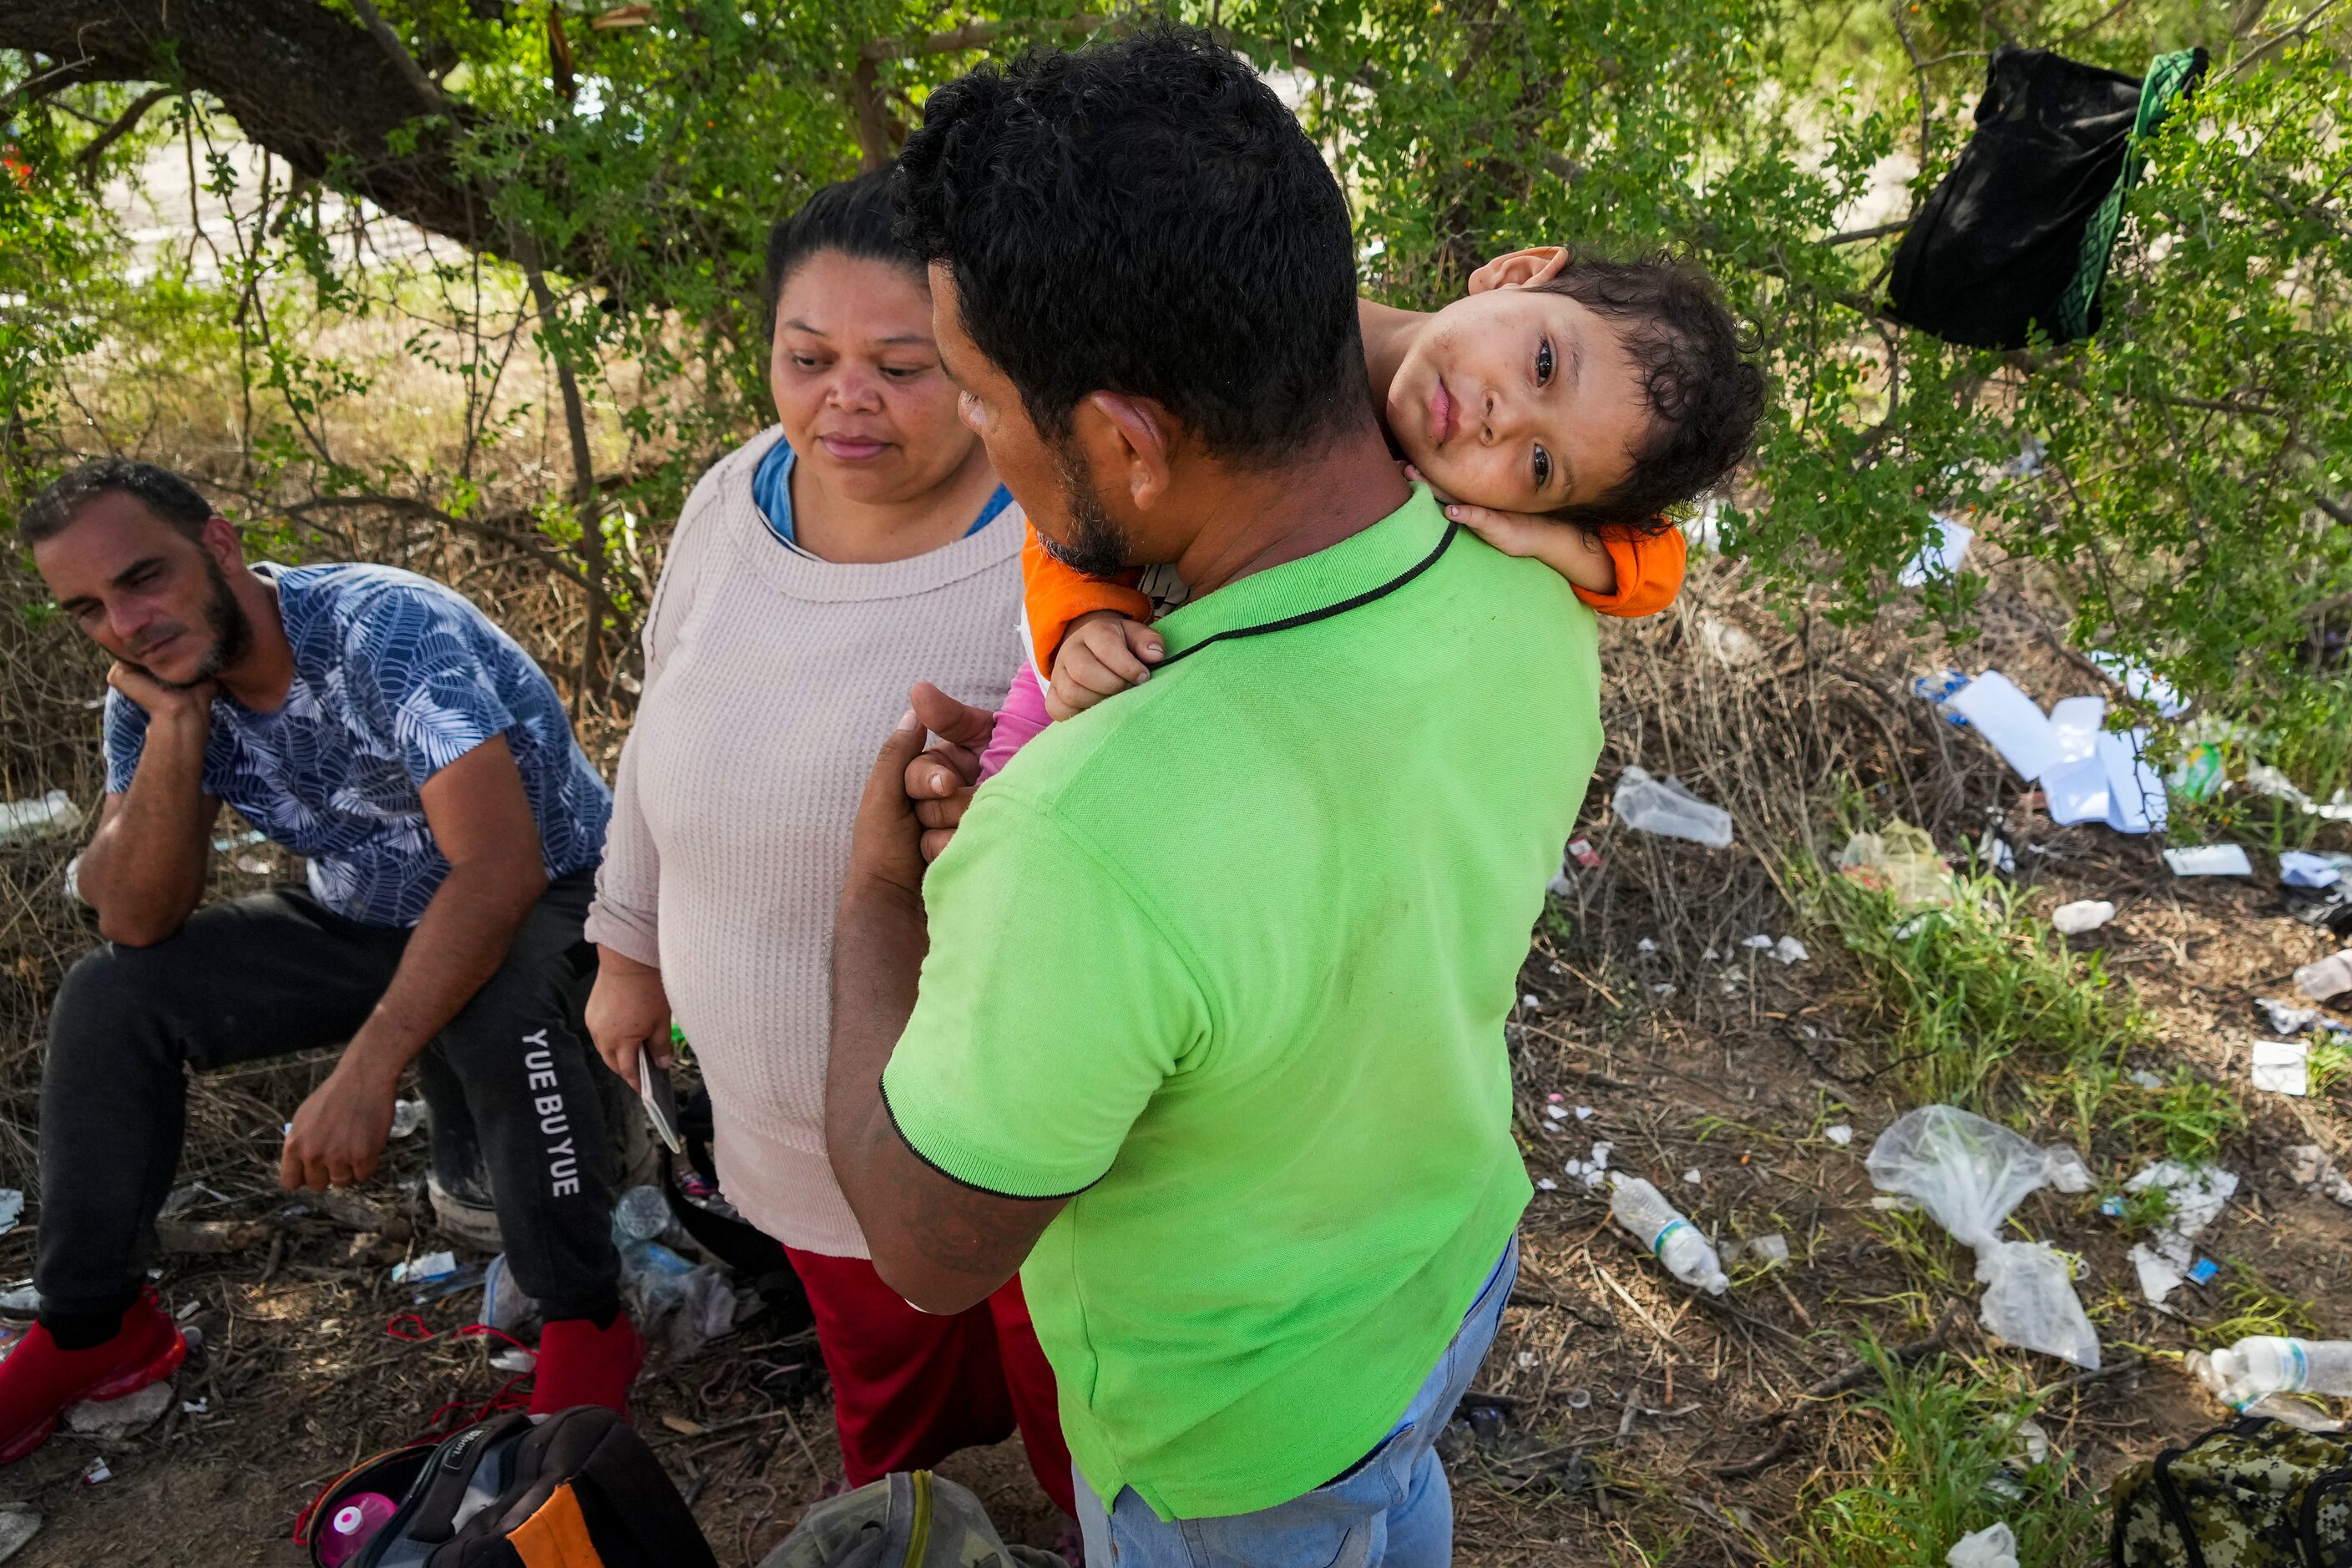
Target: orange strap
556	1536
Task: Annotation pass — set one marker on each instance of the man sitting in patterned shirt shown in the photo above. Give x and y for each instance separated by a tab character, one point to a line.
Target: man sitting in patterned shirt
377	724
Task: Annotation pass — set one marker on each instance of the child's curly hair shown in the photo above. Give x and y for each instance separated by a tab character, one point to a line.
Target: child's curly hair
1704	388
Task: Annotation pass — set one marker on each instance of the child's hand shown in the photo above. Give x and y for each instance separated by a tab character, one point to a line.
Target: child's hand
1102	655
1574	552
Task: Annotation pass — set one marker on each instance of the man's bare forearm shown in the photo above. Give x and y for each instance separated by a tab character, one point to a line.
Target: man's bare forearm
144	868
457	946
878	943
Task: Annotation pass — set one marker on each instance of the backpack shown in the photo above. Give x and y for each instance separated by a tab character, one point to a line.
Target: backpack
909	1519
2018	234
579	1489
2256	1494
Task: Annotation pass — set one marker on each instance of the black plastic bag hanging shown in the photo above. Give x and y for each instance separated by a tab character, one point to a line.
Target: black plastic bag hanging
2017	236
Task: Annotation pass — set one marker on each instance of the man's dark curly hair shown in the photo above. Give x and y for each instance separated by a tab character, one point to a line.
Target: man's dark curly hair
1705	389
1144	216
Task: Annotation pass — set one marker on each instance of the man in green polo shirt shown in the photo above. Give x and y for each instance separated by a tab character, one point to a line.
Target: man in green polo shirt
1208	1037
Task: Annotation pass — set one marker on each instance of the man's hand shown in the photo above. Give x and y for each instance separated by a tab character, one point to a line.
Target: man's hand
164	704
629	1012
939	783
1103	653
338	1133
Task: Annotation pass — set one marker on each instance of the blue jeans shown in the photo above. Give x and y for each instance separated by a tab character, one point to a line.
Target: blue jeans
1392	1508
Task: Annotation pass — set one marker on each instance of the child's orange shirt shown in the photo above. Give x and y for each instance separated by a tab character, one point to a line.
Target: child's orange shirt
1649	575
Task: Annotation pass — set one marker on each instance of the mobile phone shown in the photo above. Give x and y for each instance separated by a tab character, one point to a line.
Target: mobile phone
661	1101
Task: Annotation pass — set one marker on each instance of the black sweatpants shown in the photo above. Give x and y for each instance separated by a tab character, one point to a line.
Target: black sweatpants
278	973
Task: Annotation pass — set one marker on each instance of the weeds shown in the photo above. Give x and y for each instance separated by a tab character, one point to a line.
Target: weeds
1949	1461
1983	999
2188	1117
2257	1307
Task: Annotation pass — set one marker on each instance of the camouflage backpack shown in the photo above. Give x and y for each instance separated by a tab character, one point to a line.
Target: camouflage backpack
2256	1494
909	1519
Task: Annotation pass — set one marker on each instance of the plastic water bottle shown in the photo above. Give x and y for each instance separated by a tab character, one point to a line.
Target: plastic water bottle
2265	1364
1643	1210
642	1214
352	1526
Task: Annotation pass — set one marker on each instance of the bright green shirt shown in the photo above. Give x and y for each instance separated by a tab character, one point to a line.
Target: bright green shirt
1228	957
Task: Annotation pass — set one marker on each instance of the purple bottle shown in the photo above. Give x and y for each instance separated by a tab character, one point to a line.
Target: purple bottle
352	1526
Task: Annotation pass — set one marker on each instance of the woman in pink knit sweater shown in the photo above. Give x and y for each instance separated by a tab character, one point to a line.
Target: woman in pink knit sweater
815	575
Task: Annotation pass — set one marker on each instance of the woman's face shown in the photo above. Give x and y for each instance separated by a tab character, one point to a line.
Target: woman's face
857	382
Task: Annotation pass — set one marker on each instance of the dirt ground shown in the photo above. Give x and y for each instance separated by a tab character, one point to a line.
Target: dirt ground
1621	1418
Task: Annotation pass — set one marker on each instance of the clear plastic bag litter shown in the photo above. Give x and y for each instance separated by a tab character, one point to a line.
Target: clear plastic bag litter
1663	807
1971	1174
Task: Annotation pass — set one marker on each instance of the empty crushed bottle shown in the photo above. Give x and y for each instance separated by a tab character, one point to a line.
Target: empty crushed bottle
642	1214
2265	1364
1672	1239
1663	807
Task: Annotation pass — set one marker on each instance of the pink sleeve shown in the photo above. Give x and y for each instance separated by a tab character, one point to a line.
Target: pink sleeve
1018	721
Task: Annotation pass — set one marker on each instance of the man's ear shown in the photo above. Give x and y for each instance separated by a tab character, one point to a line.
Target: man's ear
1128	441
1520	269
222	542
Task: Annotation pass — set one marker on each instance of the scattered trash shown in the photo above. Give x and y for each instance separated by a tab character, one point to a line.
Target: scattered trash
1546	1184
642	1214
2112	1207
1556	1113
2197	1194
1672	1239
1940	556
1727	644
2141	684
2101	775
95	1473
1969	1174
514	1360
2081	915
1530	1001
2309	1165
1584	1114
21	1300
2331	976
1759	941
1581	851
1646	945
1580	1399
2145	1079
1840	1134
1994	1546
1662	988
504	1304
1994	853
1693	1177
2283	1067
2010	722
407	1116
1900	862
653	1280
2285	1019
2301	868
2210	860
196	1406
2067	1170
2202	773
424	1271
12	1209
2201	1272
1663	807
2264	1364
19	1523
354	1525
1767	1250
2030	1443
134	1412
1788	950
1591	1170
41	818
1936	690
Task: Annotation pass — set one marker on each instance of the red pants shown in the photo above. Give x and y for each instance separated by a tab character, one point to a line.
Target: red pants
909	1389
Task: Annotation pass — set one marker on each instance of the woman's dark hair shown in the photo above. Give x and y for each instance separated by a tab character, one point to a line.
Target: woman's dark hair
159	489
1700	378
855	218
1144	216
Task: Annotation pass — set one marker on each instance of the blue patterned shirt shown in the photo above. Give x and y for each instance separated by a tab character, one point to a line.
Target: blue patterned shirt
395	676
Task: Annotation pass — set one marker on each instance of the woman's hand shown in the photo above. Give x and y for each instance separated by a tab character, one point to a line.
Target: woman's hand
629	1012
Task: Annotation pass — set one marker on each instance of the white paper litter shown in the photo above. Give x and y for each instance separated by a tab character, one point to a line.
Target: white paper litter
2301	868
39	817
2309	1165
1546	1184
1940	556
1840	1134
2142	683
1728	643
1646	945
1788	950
2081	915
1693	1177
2210	860
2145	1079
1759	941
1994	853
1994	1546
2198	1194
134	1412
430	1267
1584	1114
2330	976
2010	722
2283	1067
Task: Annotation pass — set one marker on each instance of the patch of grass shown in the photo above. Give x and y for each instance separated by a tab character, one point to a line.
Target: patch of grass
2330	1064
2188	1117
2257	1307
1946	1438
1981	998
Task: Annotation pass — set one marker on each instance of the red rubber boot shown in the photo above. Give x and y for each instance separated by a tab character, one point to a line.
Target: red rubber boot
580	1363
39	1382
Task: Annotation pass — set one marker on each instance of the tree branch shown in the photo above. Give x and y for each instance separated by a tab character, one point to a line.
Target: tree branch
972	36
124	123
427	91
1856	235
